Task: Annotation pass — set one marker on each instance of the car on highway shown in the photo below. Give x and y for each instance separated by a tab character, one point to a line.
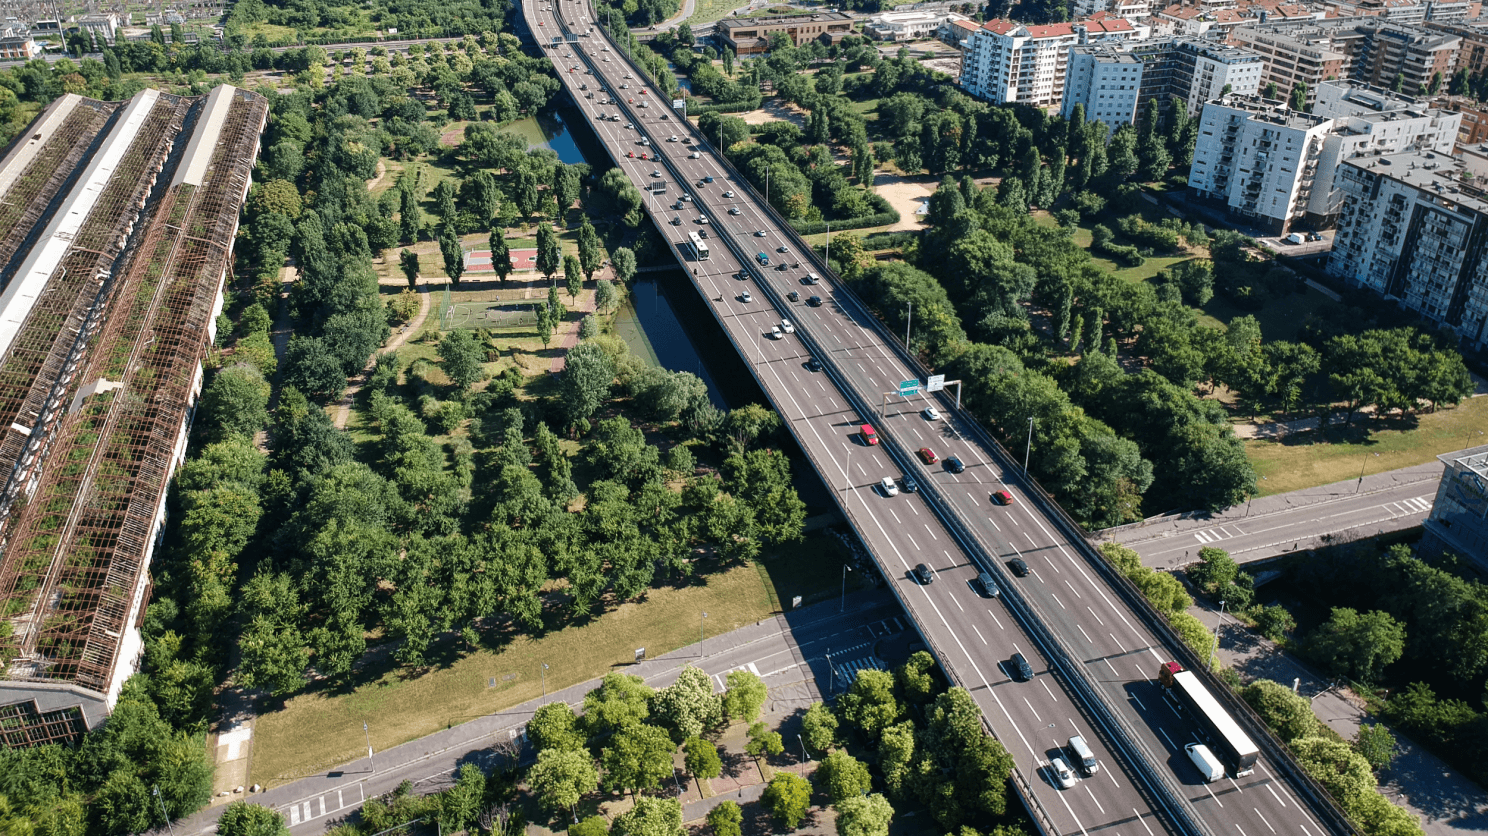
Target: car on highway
888	487
782	266
708	179
645	156
628	75
1018	567
1022	670
677	205
922	572
746	297
694	155
699	184
643	91
672	138
687	197
927	455
762	257
987	585
814	301
930	413
741	275
1061	773
775	333
655	172
630	154
910	485
954	465
625	86
733	210
642	104
728	194
1002	497
811	278
702	219
787	326
813	365
759	233
676	220
793	296
782	249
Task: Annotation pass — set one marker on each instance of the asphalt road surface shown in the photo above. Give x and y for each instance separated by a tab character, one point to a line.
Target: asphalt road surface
1296	521
789	652
972	635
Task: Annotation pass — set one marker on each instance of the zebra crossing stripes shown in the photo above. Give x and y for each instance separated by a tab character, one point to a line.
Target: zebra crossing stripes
848	671
1214	535
722	678
1414	505
302	812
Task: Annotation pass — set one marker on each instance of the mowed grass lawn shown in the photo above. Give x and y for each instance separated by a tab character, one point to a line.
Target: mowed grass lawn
319	730
1305	460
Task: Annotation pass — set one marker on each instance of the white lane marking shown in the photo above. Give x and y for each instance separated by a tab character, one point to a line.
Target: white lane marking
1279	799
1220	803
957	603
994	525
895	516
996	619
1164	733
1057	601
1097	617
1092	798
979	635
1237	786
974	503
1143	821
932	534
1083	633
1073	590
1263	818
1034	710
1138	702
1052	698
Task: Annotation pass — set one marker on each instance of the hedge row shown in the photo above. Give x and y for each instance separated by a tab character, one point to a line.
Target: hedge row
885	215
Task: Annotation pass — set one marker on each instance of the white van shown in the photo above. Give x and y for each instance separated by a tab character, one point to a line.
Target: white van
812	278
1208	765
1294	238
1083	757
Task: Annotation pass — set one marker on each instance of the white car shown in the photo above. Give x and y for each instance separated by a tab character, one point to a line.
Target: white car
702	219
655	172
787	326
728	194
759	233
627	75
734	210
745	297
694	155
687	197
775	333
1061	773
888	486
672	138
625	86
629	125
930	413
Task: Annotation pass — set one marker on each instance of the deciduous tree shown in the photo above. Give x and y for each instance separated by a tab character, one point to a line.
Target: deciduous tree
788	797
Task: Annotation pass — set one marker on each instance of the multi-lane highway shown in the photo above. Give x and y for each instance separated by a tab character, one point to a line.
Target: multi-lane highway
1063	616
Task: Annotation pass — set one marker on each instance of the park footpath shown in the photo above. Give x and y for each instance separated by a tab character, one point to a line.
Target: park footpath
434	758
1447	802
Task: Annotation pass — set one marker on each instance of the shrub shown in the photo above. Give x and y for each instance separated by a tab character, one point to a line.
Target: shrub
1288	714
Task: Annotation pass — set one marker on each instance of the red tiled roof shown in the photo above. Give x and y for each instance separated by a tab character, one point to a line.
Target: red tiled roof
1052	30
965	24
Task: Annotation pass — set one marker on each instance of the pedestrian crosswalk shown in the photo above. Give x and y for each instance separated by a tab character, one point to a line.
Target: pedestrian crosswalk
324	805
848	671
1414	505
722	678
1214	535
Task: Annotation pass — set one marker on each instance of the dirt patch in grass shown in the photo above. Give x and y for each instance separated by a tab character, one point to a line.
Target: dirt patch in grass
905	194
1305	460
317	730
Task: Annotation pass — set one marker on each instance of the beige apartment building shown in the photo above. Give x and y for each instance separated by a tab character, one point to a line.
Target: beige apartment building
751	36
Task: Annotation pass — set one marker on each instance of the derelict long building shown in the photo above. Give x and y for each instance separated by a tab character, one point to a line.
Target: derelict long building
117	222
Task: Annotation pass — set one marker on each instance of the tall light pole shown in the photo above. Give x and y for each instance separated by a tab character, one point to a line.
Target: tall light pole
845	569
701	623
827	256
908	321
767	185
368	734
155	790
544	674
1215	649
1252	499
1029	447
1362	465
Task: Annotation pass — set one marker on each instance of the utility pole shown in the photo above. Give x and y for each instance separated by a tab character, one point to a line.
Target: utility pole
369	747
1029	448
908	321
845	570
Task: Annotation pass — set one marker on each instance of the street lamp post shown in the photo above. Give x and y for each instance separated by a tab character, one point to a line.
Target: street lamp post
827	256
845	570
1252	499
544	674
1215	649
701	623
1029	447
155	790
832	688
1362	465
368	735
767	185
908	321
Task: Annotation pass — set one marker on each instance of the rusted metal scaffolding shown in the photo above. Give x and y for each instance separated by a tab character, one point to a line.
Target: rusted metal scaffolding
25	724
78	551
37	373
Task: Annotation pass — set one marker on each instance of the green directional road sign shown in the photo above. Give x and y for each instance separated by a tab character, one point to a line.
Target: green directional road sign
908	387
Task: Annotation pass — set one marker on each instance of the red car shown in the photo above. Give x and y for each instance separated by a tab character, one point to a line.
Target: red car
927	455
1002	498
630	154
643	91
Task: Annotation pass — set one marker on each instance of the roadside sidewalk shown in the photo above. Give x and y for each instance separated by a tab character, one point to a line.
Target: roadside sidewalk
1169	525
1447	803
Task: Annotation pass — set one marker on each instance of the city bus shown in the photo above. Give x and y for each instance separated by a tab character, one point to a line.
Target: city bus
698	246
1215	724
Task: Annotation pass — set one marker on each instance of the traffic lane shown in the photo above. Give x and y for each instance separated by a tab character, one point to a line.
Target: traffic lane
862	472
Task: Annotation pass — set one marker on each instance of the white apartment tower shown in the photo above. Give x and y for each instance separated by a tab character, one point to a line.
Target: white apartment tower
1259	159
1010	63
1115	81
1413	227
